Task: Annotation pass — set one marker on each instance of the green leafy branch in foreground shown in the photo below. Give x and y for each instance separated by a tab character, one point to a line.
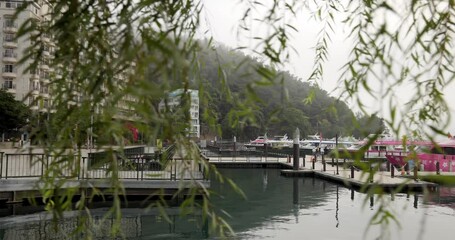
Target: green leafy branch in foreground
109	51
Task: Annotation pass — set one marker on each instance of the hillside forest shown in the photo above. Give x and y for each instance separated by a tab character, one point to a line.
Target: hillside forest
249	98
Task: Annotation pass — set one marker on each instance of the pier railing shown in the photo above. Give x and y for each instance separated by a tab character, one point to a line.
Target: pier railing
245	155
128	166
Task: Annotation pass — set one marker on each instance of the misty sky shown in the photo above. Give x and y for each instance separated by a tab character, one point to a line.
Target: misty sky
223	17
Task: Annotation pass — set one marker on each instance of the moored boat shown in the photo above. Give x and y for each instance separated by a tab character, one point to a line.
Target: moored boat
443	154
258	142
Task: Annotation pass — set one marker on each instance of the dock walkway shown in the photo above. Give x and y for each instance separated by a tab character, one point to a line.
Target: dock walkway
23	173
360	179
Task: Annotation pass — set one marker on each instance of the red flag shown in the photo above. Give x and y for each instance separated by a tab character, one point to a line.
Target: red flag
134	131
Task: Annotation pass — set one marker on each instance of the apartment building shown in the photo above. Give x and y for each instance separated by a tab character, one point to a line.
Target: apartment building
174	101
14	78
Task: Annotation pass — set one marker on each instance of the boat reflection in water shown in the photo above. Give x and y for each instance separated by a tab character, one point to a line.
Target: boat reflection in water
276	208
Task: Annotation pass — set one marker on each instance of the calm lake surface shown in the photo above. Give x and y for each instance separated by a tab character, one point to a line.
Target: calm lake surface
276	208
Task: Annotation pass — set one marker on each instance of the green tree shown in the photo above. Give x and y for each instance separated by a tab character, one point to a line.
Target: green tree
14	114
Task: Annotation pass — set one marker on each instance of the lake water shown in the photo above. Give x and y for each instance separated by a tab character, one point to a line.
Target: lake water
276	208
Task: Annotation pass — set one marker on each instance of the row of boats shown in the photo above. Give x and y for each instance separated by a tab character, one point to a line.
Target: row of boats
311	142
426	155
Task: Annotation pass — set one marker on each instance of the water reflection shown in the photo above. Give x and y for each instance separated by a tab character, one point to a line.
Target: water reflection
264	180
136	223
337	208
295	199
416	200
275	208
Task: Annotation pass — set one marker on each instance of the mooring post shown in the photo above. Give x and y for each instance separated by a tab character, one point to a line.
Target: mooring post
406	168
333	163
323	160
336	147
438	171
296	149
371	173
392	171
235	147
352	171
266	150
314	161
303	159
337	167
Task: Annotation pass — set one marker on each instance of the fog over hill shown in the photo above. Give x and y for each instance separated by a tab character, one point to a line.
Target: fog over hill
249	99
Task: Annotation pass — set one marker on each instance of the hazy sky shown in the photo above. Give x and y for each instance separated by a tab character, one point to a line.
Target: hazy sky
223	17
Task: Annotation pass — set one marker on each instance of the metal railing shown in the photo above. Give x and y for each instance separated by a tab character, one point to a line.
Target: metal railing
245	156
132	166
36	165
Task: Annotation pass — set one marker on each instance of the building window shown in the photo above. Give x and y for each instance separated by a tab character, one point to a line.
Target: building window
8	68
9	53
8	84
9	23
9	37
12	4
44	74
34	85
44	89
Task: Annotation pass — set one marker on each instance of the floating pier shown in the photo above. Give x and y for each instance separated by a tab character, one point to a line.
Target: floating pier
340	173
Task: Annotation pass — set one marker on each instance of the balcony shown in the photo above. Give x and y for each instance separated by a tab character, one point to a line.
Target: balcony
46	53
9	27
44	92
45	95
35	91
9	44
45	38
34	76
7	74
9	87
9	57
44	66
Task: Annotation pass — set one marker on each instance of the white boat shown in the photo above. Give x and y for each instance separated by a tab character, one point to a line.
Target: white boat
316	142
385	144
258	142
280	141
274	142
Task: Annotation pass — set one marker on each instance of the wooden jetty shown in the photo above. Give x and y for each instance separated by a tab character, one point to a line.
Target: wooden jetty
340	173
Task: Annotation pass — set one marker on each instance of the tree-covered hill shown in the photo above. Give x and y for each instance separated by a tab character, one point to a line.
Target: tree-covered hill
278	101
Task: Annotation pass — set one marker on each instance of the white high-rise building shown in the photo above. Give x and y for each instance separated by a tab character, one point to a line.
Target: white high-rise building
174	101
14	78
